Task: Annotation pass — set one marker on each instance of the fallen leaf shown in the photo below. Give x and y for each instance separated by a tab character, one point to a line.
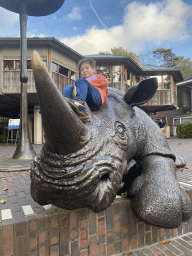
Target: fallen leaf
3	201
5	189
4	178
129	253
179	144
122	194
185	168
142	251
166	242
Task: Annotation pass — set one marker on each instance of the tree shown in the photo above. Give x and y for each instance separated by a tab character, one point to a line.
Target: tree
166	57
121	51
147	59
185	65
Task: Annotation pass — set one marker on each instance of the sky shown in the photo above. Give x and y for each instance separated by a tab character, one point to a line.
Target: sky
94	26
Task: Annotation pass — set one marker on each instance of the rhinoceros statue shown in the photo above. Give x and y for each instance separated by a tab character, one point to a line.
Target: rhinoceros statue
118	147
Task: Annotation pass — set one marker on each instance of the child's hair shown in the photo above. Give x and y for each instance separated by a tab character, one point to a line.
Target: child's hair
92	62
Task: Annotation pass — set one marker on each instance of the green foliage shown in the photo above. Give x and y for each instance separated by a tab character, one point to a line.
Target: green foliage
121	51
166	57
159	57
184	130
185	65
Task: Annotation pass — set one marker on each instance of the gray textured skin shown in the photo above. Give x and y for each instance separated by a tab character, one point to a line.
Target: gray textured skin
123	149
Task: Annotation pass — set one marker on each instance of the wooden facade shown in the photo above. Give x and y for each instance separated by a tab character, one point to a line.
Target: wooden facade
131	73
12	84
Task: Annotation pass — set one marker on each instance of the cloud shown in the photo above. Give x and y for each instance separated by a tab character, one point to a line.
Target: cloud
156	22
36	35
75	14
7	18
95	40
142	23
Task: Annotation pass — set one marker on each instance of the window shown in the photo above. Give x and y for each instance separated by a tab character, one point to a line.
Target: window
8	64
54	67
166	82
104	70
29	64
116	73
45	62
15	64
72	75
159	80
186	120
63	70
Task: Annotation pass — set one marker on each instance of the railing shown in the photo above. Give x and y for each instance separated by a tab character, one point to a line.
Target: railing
119	86
12	84
162	97
62	81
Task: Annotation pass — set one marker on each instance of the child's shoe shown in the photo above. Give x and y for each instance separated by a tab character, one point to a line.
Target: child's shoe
78	105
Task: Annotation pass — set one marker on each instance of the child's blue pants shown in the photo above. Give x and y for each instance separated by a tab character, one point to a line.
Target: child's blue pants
85	91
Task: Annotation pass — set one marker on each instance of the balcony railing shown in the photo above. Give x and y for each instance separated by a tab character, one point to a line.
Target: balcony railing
162	97
62	81
12	84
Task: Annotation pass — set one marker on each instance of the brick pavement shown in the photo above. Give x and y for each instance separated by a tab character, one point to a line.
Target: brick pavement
54	231
182	245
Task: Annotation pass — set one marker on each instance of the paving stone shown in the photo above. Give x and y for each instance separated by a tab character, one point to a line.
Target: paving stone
24	201
184	243
15	207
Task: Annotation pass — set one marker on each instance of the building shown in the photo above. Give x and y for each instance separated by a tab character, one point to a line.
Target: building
123	71
183	113
61	61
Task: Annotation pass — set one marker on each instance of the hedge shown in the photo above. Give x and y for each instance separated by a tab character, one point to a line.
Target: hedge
184	130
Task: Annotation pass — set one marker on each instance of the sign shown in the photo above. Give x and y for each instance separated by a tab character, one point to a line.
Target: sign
13	124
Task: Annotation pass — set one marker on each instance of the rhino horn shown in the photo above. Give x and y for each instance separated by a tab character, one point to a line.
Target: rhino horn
64	131
141	92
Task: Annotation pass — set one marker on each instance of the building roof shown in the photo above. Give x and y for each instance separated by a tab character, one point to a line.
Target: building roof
41	41
187	76
157	70
147	70
111	59
186	83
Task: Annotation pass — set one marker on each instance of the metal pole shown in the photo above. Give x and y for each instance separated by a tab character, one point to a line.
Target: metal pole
24	148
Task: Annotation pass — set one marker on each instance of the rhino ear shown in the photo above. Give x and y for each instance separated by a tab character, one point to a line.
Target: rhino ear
141	92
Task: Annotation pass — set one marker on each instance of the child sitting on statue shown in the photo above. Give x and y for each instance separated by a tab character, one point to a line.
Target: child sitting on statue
90	88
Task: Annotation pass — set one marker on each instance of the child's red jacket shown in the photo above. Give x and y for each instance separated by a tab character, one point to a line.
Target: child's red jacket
101	84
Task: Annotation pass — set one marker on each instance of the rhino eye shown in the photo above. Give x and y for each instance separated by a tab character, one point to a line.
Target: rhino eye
120	130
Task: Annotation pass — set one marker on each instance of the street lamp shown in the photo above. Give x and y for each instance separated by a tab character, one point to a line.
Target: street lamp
27	8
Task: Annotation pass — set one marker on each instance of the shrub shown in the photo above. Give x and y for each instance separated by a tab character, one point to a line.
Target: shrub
184	130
